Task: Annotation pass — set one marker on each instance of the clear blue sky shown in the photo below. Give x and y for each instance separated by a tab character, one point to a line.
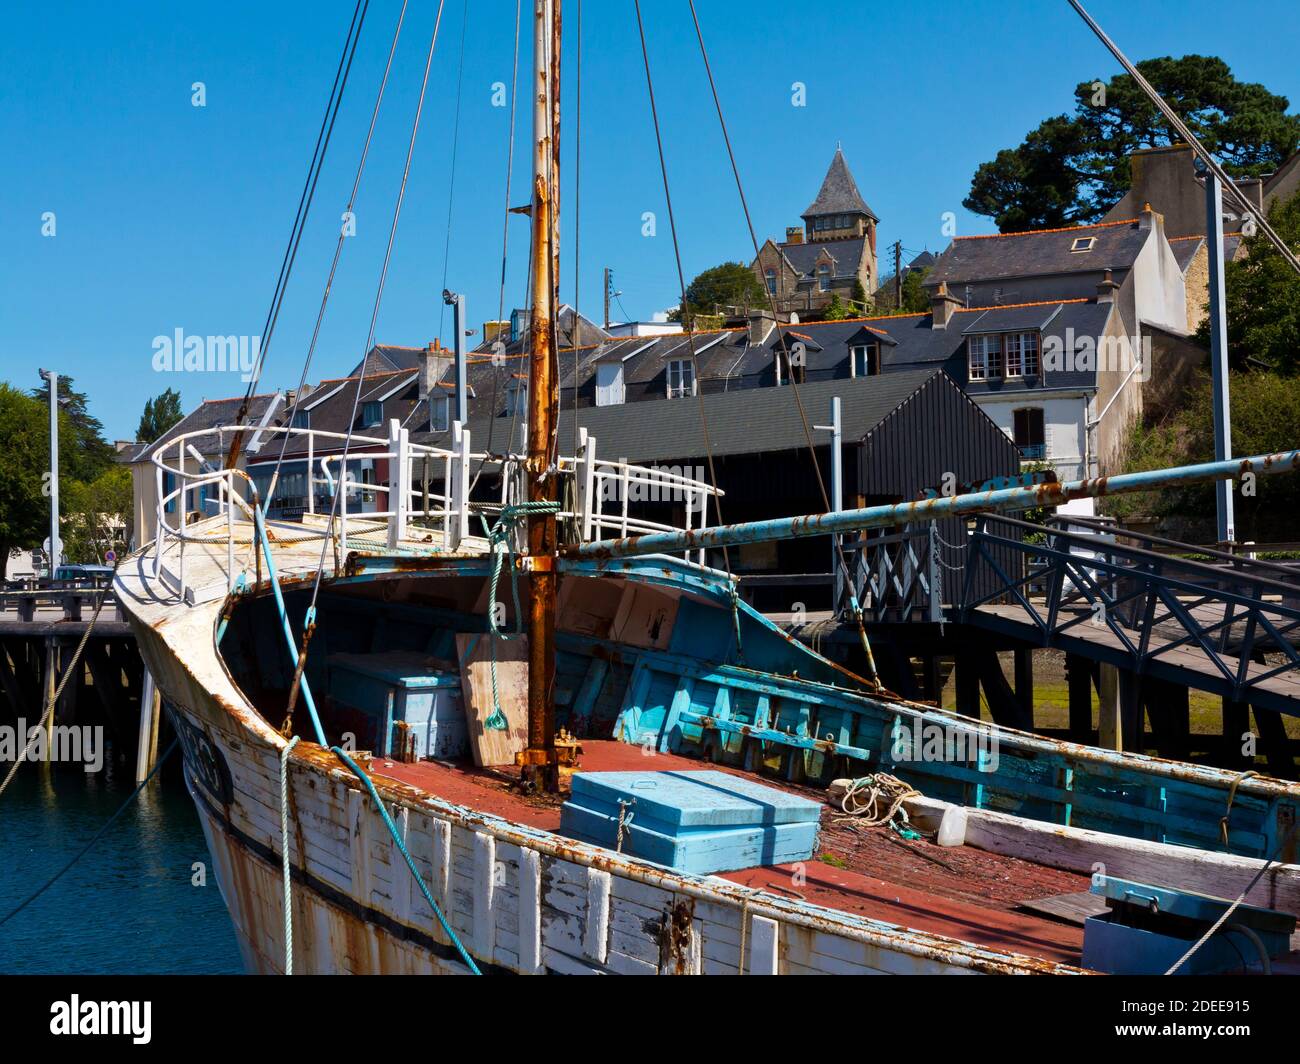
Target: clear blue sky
171	216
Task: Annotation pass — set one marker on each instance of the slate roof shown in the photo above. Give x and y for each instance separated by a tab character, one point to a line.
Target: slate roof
748	422
209	414
839	193
846	254
1040	252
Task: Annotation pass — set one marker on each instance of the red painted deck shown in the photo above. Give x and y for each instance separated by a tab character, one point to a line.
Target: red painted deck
960	892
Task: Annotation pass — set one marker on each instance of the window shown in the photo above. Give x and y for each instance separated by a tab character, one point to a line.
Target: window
1083	243
439	413
770	276
1022	354
681	378
517	397
301	419
788	367
610	388
824	276
864	360
984	355
1028	432
372	414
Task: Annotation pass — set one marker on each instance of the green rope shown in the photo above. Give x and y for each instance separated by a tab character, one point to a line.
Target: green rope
500	539
397	838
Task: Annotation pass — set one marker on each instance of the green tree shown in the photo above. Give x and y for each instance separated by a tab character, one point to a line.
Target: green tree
160	414
1073	168
1263	299
836	309
916	300
24	505
97	515
730	284
92	454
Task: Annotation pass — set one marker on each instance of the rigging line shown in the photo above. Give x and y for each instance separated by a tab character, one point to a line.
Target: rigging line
342	483
577	229
505	237
771	299
92	840
681	280
300	218
1229	185
338	251
451	184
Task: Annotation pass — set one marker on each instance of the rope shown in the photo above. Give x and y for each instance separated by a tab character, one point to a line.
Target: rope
93	839
284	854
1227	913
500	539
397	838
1232	793
877	799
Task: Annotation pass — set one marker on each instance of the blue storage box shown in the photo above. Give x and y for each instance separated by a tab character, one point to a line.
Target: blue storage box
701	822
407	687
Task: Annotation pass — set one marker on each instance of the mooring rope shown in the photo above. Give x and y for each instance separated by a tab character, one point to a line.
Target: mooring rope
397	838
877	799
284	854
93	839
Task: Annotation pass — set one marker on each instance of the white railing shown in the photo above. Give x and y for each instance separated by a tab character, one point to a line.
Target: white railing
427	489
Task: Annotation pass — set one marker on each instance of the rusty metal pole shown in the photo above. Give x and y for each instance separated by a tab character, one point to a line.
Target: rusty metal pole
538	760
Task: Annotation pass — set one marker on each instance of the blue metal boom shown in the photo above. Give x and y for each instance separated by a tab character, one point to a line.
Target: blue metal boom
1022	498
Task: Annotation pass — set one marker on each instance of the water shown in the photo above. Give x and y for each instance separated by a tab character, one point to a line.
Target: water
129	905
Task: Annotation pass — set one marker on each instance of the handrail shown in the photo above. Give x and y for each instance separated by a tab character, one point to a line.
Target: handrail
603	491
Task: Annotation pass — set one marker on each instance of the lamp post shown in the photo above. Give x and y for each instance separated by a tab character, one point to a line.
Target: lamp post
1226	523
55	552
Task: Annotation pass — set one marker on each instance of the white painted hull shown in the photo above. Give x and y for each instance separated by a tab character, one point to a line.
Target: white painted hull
522	900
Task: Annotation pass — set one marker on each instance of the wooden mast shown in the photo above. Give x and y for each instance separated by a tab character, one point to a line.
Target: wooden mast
538	760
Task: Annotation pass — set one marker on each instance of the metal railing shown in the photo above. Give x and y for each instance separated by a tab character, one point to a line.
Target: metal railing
426	489
1155	609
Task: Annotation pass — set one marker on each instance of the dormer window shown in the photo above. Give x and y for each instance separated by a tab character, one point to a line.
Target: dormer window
824	276
301	419
439	413
517	397
1022	354
984	358
372	414
681	378
788	368
1083	243
770	277
864	360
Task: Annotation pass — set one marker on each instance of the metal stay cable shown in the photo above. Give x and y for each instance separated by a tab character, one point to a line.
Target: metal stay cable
300	218
338	251
794	385
1228	184
341	485
681	280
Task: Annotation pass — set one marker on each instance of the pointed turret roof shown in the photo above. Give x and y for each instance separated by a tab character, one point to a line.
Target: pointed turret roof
839	193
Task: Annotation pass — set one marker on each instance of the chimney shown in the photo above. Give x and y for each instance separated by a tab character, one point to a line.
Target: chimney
1147	219
1106	288
433	361
761	324
942	306
794	234
492	330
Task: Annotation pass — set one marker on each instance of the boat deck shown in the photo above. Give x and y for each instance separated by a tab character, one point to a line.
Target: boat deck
960	892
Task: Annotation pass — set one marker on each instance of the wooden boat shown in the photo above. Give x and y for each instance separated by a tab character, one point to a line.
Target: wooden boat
402	858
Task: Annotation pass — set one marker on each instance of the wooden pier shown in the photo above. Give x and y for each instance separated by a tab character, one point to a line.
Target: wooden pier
108	687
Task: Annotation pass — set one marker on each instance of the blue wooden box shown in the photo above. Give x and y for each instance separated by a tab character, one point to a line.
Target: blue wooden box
403	686
1149	928
700	821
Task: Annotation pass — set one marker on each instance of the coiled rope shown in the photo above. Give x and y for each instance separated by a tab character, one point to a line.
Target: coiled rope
878	799
500	538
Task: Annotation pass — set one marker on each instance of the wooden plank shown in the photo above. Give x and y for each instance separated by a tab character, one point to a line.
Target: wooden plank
484	887
1070	908
493	746
764	942
595	938
530	911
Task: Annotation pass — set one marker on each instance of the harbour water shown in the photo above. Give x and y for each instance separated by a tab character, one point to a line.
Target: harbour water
143	900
